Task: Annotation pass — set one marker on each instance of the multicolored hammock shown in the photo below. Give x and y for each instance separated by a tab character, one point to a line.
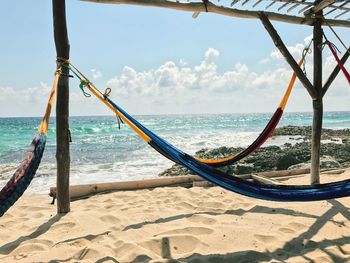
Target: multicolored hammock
234	184
23	176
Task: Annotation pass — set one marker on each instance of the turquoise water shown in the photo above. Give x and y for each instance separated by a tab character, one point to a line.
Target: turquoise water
101	152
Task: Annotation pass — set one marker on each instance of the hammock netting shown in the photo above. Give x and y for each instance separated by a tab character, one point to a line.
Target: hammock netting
231	183
23	176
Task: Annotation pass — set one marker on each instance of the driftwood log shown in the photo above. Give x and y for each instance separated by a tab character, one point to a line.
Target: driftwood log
77	191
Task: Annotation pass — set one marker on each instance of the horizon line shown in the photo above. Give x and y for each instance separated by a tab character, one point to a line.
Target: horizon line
175	114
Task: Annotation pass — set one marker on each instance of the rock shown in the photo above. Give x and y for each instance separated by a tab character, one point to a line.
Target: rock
286	161
306	165
306	131
326	162
289	156
244	168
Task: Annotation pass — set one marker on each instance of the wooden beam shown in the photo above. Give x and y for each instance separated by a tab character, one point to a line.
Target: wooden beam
284	51
62	107
77	191
222	10
265	180
323	4
87	189
317	103
320	6
334	73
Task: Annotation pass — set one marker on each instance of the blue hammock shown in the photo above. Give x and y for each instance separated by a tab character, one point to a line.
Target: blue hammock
251	189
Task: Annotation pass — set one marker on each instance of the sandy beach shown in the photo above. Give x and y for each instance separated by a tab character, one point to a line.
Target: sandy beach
175	224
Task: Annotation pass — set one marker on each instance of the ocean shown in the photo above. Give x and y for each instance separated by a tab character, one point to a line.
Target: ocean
100	152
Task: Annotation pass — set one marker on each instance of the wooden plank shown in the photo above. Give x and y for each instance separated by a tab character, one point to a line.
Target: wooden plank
323	4
294	6
265	180
284	173
62	108
88	189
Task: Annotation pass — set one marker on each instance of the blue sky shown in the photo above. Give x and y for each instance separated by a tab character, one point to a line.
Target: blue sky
155	60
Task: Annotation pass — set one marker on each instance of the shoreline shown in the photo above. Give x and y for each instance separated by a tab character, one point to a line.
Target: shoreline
335	153
268	158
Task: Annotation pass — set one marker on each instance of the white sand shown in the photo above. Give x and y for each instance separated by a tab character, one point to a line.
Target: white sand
177	225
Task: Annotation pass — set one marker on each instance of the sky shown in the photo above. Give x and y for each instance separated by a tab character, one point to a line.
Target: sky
156	61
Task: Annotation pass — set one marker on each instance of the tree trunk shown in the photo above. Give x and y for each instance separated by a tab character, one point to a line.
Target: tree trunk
62	108
317	104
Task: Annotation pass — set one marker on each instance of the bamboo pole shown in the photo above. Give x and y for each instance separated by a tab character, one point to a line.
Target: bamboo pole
317	103
62	108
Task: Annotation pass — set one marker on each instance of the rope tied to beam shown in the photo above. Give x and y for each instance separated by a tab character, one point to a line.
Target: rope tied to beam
62	62
205	2
306	50
87	83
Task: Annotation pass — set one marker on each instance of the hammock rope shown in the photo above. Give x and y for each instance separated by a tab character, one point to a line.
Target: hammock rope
24	174
252	189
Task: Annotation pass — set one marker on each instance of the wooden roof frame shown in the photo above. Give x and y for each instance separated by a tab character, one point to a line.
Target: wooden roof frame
308	17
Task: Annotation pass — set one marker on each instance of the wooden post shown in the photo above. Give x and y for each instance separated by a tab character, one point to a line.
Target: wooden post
317	103
62	108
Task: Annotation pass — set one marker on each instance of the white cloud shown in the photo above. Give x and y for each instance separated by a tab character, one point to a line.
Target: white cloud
177	87
96	74
211	54
296	50
24	102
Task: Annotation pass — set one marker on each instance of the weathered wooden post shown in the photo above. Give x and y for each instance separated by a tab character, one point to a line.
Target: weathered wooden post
317	103
62	107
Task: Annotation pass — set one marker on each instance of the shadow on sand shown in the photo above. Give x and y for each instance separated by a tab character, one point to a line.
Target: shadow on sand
298	246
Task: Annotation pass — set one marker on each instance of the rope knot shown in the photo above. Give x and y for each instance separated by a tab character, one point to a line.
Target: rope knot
82	85
107	93
205	2
62	62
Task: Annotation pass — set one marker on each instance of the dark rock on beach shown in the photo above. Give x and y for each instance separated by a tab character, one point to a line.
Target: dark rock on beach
305	132
335	153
